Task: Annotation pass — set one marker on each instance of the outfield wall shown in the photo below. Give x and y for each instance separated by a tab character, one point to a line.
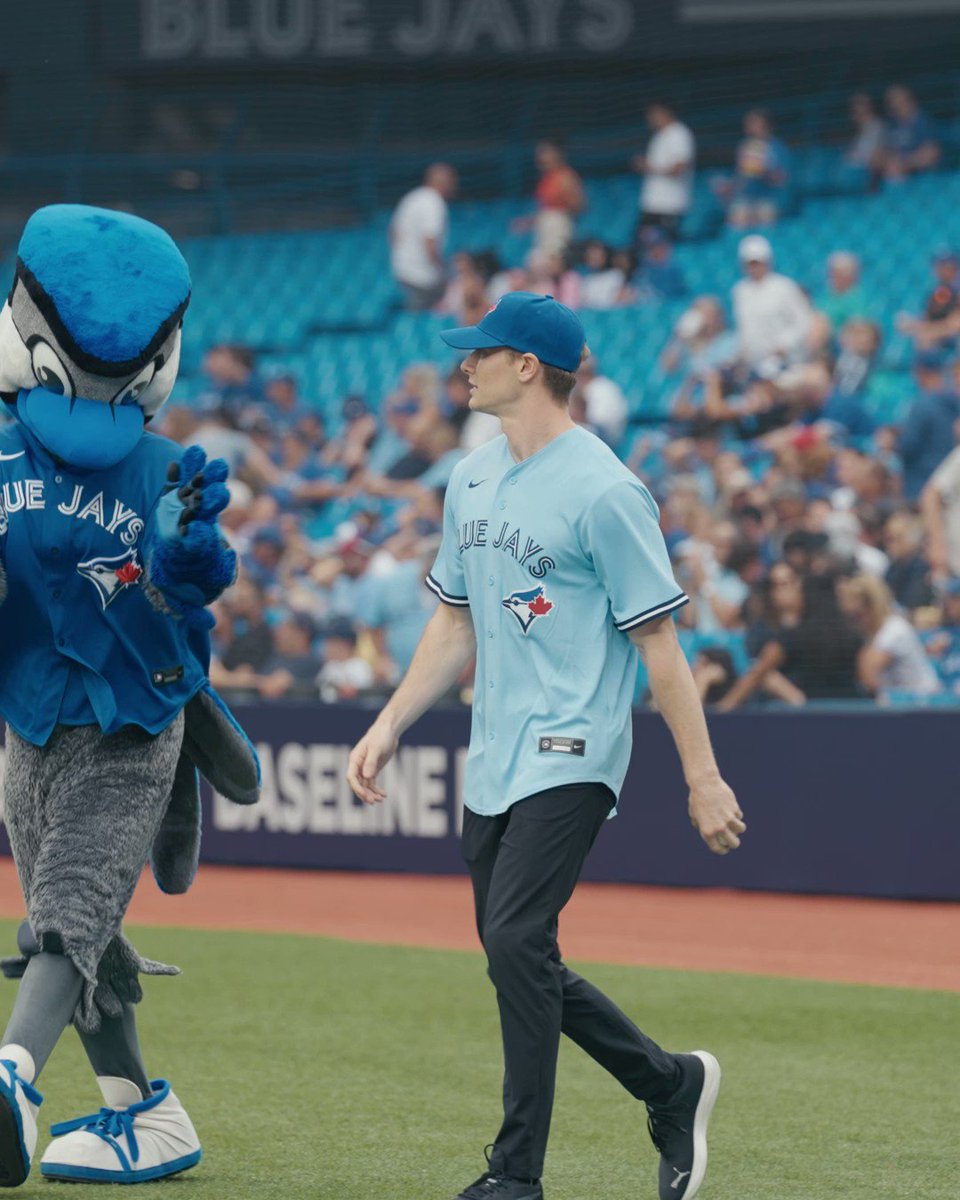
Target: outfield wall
860	803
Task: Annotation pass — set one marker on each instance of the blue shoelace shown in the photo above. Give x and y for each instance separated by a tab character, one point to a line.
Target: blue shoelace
10	1086
111	1124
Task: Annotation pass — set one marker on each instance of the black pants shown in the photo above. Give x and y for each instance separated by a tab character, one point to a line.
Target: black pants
524	865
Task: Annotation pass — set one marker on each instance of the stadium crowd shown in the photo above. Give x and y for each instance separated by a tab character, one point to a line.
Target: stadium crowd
819	547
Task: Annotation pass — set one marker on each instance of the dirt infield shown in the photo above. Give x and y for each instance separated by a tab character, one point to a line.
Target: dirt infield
812	937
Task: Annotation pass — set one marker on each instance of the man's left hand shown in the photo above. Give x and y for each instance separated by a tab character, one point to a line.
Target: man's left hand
715	813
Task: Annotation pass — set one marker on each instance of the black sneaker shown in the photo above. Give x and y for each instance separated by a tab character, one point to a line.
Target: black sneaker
492	1186
679	1129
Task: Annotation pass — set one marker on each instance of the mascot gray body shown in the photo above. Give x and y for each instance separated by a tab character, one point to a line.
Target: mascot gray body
109	553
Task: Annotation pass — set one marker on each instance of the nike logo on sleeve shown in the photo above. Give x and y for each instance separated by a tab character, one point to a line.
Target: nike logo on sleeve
471	484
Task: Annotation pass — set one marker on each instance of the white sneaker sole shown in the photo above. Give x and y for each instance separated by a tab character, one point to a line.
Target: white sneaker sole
701	1119
70	1173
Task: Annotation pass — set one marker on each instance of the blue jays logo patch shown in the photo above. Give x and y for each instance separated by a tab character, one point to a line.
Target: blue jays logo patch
111	576
527	606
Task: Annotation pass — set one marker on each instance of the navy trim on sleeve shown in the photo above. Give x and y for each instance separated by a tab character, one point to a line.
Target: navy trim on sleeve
649	614
453	601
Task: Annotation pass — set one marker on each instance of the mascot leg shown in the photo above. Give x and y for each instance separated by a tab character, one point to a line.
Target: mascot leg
82	813
114	1050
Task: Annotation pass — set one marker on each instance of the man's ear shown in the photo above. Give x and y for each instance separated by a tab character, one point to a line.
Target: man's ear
529	365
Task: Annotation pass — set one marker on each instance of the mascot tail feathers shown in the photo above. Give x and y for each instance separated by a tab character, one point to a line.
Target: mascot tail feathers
175	853
219	748
215	746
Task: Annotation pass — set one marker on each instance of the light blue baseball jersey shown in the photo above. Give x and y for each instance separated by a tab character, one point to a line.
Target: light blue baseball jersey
557	557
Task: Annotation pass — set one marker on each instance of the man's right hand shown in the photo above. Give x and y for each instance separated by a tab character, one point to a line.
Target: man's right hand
374	750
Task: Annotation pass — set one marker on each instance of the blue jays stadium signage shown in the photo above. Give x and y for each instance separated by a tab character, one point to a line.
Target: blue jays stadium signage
243	31
264	34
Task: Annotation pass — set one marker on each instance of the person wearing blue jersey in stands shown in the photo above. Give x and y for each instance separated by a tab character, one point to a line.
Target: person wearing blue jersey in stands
553	572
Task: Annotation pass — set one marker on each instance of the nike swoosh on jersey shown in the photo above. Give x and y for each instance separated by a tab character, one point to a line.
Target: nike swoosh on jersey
471	484
7	457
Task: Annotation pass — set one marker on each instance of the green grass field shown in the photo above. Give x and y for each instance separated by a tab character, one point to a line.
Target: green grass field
316	1068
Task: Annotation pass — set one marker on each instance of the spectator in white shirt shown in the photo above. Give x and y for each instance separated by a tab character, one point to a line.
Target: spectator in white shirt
893	660
773	316
344	674
418	233
940	508
667	170
602	285
866	148
605	404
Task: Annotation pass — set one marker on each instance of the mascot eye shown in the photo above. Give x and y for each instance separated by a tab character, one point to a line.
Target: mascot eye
131	392
49	370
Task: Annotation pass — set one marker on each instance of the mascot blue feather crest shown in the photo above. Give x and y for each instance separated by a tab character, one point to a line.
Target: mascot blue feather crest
90	334
70	258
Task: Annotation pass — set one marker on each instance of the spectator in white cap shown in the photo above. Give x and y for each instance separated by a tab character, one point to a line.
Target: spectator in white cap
772	315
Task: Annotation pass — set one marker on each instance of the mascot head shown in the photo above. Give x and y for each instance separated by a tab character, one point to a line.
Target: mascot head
90	334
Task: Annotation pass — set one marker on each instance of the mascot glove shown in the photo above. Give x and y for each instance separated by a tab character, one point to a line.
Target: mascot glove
189	561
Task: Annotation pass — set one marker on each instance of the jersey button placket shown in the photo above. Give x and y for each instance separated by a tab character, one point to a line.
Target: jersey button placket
492	663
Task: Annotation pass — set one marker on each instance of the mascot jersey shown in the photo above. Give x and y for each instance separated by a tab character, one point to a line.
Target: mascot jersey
81	643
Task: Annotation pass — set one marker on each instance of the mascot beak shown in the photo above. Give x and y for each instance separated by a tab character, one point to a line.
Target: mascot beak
87	434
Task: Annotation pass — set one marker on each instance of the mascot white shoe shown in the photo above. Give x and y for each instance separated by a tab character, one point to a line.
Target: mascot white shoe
18	1124
131	1140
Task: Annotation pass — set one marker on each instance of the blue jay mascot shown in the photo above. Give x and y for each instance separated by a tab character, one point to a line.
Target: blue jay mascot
109	553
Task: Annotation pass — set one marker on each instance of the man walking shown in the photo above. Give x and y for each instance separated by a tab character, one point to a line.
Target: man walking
553	572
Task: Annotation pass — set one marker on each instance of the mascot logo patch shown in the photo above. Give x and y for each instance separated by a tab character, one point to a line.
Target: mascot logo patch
527	606
111	576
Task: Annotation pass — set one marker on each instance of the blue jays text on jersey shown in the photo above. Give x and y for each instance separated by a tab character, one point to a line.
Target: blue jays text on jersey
29	495
511	540
557	557
90	646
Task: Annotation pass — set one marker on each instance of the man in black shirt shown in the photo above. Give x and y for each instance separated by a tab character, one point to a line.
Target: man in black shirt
252	642
940	324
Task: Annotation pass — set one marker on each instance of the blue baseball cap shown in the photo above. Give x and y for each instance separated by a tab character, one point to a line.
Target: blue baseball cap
530	324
